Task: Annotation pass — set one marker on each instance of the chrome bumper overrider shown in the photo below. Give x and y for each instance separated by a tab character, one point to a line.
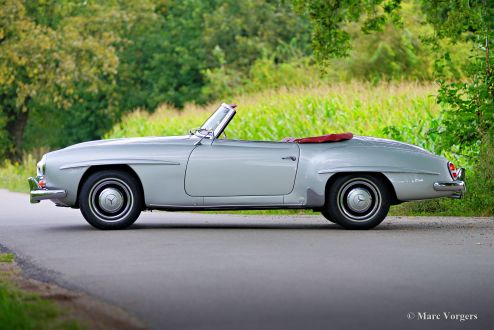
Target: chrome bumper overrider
458	186
38	194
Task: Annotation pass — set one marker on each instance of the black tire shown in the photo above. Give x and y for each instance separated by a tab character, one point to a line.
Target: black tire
358	201
327	216
111	199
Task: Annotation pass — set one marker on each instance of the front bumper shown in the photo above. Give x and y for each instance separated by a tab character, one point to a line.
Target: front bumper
38	193
457	187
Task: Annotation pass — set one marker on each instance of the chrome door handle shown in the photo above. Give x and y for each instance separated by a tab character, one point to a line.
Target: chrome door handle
293	158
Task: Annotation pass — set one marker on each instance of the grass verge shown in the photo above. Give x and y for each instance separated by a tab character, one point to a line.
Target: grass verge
24	310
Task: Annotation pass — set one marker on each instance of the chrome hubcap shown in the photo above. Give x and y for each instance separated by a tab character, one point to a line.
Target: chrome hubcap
359	200
110	200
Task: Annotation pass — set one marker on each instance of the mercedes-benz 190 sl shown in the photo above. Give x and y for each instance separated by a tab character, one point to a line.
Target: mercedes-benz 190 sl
351	180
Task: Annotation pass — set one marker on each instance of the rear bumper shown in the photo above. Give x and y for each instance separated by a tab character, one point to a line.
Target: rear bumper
457	187
38	194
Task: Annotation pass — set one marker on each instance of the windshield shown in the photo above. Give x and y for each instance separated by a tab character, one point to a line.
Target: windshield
217	118
215	124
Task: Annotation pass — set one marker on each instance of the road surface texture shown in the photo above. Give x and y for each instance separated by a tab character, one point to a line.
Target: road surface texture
208	271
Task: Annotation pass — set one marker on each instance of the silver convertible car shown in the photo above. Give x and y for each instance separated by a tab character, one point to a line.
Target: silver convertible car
351	180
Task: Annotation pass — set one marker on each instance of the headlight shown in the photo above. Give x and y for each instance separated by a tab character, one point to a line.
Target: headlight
41	166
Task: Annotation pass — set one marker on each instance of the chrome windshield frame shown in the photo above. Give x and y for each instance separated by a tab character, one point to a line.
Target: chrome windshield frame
222	124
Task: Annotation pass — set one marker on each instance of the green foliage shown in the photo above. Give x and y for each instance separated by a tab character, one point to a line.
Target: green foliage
481	199
194	42
49	65
246	30
468	115
330	18
399	52
7	257
469	104
394	53
264	74
164	59
59	60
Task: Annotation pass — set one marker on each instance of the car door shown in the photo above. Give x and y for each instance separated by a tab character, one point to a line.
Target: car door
241	168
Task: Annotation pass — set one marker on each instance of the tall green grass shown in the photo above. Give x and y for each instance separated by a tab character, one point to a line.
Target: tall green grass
13	175
361	108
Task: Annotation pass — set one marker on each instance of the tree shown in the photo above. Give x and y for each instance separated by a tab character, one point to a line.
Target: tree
244	35
469	104
59	59
329	19
169	61
41	65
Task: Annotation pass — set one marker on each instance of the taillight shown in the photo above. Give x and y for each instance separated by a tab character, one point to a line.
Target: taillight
42	183
452	170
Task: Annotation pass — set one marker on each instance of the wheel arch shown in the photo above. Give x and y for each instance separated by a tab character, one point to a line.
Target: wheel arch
384	178
98	168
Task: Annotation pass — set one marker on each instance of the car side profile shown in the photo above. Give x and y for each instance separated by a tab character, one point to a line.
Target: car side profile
351	180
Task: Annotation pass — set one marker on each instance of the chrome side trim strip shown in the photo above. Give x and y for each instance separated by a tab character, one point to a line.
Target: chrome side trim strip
136	161
387	169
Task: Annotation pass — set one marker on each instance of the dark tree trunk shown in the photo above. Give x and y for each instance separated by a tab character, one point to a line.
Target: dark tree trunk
16	128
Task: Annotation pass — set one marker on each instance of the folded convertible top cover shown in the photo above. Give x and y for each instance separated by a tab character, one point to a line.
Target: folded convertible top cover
321	139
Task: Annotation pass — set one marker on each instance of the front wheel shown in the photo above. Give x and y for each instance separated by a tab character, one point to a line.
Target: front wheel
357	201
111	199
327	216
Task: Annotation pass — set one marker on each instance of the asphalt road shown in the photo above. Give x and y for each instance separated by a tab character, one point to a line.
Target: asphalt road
207	271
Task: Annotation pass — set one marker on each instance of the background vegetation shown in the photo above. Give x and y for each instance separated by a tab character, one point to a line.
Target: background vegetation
417	71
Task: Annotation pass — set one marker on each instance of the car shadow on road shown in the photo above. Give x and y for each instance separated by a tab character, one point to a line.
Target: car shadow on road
267	226
391	226
214	226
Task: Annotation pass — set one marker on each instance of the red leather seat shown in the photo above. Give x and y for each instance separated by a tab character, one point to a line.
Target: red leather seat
321	139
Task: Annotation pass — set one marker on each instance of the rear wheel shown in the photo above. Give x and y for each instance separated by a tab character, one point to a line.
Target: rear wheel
111	199
357	201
